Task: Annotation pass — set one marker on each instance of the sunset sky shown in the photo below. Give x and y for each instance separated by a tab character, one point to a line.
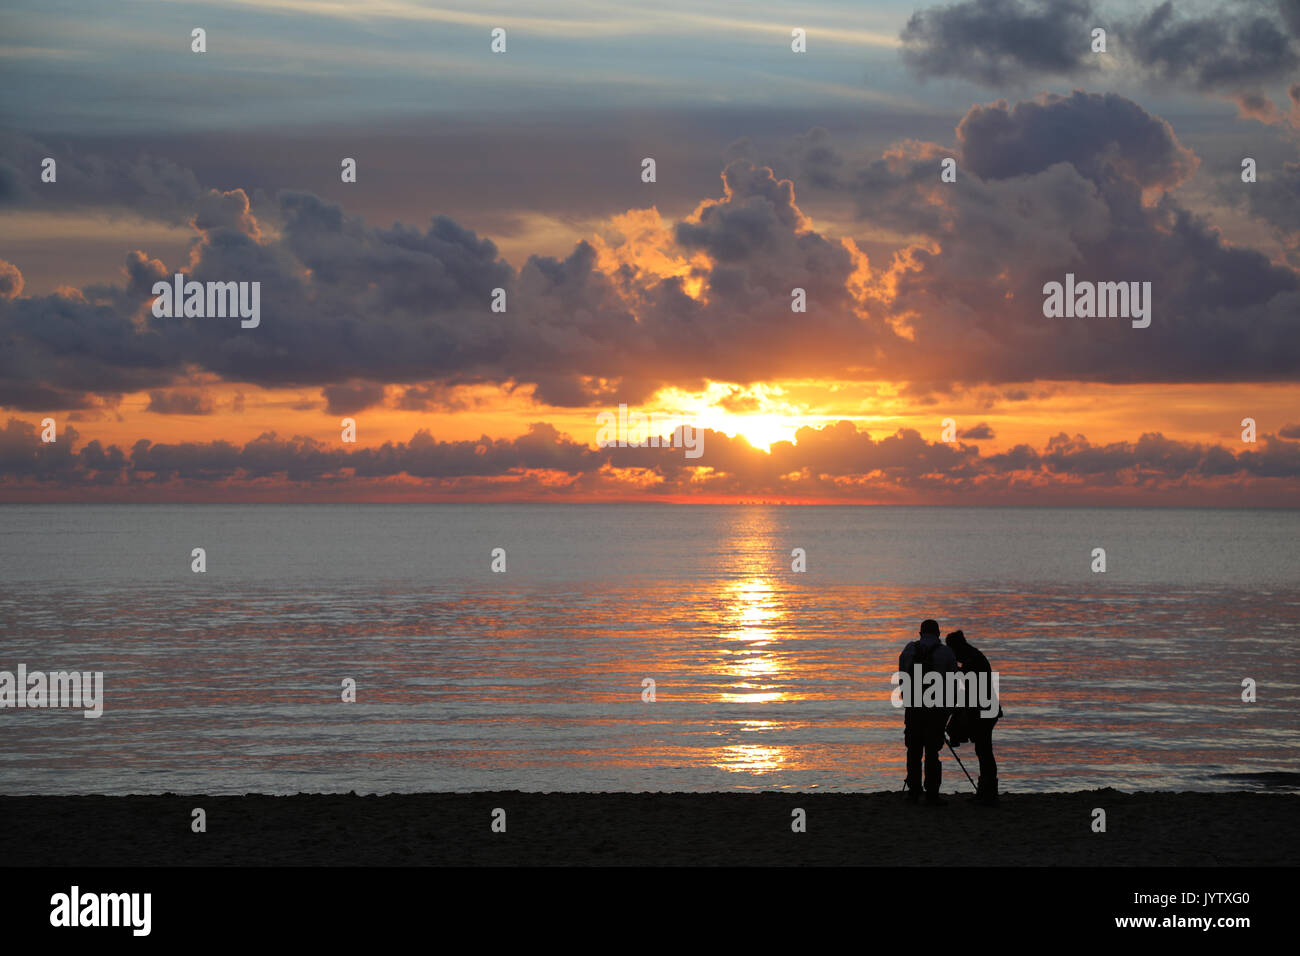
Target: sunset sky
775	170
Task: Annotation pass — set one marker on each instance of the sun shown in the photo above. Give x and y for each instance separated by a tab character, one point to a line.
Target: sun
759	414
761	431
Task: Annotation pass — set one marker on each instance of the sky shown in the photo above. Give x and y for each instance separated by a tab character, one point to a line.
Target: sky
922	368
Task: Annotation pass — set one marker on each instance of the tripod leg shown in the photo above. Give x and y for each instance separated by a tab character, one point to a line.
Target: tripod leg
963	767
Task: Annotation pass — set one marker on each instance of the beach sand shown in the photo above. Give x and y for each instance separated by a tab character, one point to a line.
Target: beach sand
710	829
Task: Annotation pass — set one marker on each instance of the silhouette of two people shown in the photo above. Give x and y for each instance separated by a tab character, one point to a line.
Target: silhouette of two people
925	727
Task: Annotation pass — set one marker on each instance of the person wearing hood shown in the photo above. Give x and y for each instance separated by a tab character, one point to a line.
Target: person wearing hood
972	722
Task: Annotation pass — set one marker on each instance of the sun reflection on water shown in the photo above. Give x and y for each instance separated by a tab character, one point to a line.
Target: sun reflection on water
749	639
751	612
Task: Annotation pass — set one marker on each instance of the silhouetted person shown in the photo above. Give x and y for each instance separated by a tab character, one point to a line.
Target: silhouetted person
923	726
971	724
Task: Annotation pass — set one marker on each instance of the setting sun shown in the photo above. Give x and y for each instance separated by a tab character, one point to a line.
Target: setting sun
761	431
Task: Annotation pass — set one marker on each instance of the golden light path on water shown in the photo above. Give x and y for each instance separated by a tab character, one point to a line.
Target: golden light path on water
752	609
749	631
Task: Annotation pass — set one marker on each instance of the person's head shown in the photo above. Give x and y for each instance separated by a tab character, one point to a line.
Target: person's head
956	642
929	627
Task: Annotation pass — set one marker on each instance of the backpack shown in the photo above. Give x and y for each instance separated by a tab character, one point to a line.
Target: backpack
924	656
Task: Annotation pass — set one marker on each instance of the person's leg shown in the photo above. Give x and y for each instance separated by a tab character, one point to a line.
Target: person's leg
914	743
933	745
983	740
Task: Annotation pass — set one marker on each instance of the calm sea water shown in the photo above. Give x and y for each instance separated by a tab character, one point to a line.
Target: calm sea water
229	681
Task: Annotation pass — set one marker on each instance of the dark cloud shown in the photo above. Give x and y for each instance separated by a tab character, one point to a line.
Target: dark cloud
196	461
147	185
1233	48
351	397
1001	42
1032	202
179	402
542	447
1289	431
818	160
225	211
1275	199
24	457
433	397
576	171
1105	137
412	306
29	397
981	432
1255	105
1290	10
836	461
63	348
760	210
1077	183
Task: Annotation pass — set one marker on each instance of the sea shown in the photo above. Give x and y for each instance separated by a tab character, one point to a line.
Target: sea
640	647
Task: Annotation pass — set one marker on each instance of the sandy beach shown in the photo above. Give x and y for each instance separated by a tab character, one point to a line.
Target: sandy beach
649	829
